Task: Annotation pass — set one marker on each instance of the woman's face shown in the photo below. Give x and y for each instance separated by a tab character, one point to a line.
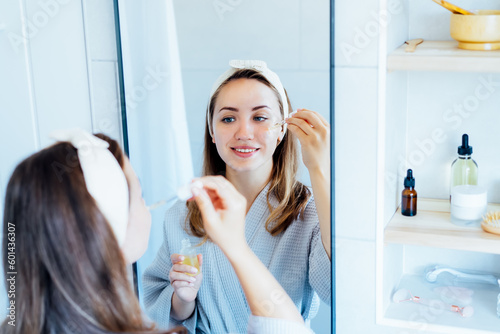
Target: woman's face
139	221
244	111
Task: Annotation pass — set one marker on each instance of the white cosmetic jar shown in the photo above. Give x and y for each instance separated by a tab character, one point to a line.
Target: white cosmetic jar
468	205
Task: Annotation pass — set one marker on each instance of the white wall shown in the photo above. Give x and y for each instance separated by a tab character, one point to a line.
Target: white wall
59	73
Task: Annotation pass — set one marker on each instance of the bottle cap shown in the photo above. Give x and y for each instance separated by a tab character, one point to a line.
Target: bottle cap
409	179
465	149
469	196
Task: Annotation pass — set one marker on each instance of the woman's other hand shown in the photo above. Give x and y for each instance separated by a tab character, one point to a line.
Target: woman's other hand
223	210
185	286
313	132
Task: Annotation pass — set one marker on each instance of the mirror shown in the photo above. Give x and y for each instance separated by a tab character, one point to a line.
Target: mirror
173	53
62	71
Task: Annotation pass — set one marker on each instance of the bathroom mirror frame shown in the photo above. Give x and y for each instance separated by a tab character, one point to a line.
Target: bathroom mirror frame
123	108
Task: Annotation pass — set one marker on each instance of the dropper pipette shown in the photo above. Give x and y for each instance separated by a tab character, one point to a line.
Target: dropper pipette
183	193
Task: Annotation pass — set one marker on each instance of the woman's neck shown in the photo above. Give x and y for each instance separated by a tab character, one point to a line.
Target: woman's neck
249	183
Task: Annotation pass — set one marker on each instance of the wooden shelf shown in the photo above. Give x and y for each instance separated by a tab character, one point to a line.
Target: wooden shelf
443	56
432	227
415	316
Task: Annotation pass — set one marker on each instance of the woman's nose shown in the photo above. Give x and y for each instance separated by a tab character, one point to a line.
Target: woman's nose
244	131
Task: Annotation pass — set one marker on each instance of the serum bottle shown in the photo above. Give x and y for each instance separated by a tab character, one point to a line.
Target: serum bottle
190	257
464	169
409	196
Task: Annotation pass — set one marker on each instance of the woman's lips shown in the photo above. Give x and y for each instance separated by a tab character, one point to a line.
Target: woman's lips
244	151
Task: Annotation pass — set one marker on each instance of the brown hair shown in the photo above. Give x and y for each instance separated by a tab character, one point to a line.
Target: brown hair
290	193
71	274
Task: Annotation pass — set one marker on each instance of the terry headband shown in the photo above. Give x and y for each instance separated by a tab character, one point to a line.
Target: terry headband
259	66
103	176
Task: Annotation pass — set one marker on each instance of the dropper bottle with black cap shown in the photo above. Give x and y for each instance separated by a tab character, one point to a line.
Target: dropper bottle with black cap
464	169
409	196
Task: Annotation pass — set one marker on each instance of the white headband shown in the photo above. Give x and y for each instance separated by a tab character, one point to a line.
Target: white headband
103	176
259	66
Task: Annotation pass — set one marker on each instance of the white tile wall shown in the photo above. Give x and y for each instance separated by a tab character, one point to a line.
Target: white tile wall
100	26
355	285
211	34
59	70
314	34
355	152
398	12
105	99
356	33
396	124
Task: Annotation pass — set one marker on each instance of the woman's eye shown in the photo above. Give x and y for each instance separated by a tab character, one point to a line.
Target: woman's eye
227	120
260	118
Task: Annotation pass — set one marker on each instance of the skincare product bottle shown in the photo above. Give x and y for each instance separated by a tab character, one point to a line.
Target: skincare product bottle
190	257
409	196
463	170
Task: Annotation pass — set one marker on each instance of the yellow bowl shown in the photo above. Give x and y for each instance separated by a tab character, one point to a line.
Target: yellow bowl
477	32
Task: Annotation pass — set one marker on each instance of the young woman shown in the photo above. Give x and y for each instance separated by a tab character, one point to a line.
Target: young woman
285	227
74	216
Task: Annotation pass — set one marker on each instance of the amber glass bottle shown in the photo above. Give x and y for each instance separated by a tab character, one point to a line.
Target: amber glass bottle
409	196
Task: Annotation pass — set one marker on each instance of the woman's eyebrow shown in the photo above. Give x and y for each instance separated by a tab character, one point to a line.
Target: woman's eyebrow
260	107
228	108
236	109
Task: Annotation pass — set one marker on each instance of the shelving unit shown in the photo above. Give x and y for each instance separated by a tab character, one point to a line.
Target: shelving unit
432	227
443	56
406	244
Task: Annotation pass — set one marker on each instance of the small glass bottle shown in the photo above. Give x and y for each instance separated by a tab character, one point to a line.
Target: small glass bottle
190	257
409	196
464	169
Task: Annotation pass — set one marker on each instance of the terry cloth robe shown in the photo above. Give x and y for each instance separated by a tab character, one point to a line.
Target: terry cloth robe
295	257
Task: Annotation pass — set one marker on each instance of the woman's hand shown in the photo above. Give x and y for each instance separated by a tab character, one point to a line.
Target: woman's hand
223	210
185	287
313	132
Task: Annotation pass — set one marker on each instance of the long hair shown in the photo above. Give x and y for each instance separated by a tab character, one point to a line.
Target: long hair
292	195
71	274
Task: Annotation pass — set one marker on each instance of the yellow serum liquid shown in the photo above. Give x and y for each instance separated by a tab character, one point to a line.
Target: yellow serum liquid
464	171
191	260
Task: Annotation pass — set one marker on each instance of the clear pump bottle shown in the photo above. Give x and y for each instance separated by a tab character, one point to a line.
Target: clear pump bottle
190	257
464	169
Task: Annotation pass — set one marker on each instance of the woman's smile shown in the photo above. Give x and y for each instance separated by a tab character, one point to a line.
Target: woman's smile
244	151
